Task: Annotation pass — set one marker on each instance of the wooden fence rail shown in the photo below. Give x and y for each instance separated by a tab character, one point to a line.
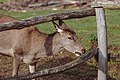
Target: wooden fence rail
57	69
107	4
43	19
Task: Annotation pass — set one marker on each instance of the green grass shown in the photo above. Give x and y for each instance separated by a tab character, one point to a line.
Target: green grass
3	0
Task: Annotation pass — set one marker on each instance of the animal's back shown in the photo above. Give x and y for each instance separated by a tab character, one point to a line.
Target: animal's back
22	41
14	40
5	36
5	18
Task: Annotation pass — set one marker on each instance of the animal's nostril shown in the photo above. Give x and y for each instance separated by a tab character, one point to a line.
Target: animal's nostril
83	51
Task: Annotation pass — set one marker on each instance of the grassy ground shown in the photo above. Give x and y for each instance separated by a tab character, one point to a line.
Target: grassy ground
86	30
3	0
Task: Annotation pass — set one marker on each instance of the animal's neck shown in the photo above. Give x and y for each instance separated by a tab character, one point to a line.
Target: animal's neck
52	43
47	44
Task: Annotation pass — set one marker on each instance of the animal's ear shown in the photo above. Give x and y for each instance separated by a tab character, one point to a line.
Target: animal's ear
62	25
57	27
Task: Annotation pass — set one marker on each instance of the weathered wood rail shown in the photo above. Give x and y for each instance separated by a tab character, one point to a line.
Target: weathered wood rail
107	4
43	19
57	69
115	57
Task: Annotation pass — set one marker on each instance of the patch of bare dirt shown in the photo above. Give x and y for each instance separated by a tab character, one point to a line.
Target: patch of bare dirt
86	71
81	72
114	48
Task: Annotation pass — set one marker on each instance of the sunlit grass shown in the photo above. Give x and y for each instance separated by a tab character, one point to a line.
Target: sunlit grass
3	0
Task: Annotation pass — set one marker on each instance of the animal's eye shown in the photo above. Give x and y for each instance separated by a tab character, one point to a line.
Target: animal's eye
70	38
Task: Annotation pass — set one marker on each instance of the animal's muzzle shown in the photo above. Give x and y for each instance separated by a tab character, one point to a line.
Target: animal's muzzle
82	52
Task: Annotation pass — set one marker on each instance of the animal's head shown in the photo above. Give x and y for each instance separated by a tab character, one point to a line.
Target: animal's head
69	39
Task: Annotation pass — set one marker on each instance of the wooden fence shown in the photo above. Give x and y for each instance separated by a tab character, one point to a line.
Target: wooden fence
101	30
100	6
42	19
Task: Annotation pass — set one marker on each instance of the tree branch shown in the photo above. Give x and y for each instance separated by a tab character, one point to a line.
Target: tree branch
57	69
43	19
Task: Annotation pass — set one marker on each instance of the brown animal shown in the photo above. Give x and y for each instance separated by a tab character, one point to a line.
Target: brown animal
29	44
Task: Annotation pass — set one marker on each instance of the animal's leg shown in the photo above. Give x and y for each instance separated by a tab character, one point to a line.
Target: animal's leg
16	64
32	68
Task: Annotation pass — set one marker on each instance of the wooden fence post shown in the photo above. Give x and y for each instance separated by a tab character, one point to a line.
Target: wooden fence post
102	43
99	6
